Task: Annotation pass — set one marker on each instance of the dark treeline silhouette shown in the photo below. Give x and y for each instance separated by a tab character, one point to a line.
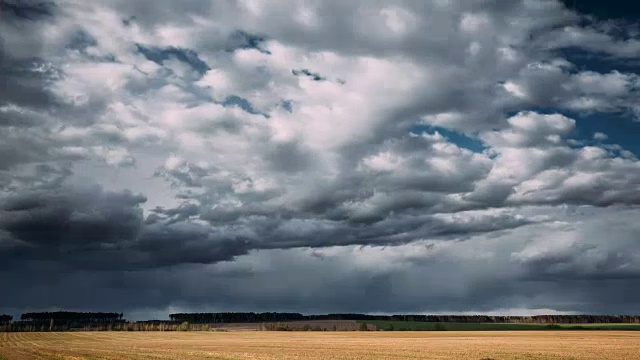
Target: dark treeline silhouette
250	317
157	322
5	319
24	326
66	320
73	317
95	321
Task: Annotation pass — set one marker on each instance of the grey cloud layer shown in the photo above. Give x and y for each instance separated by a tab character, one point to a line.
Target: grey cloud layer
296	132
482	274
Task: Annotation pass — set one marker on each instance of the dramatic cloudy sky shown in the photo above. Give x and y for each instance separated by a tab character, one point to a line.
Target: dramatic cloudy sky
319	156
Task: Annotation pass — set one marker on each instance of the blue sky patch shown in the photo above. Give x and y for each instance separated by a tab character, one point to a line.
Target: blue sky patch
602	63
628	10
461	140
306	72
619	128
287	105
244	104
243	40
159	55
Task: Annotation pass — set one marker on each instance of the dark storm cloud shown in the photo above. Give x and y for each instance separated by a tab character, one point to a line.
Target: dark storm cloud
95	229
60	224
28	10
22	79
58	217
14	153
20	82
90	228
24	76
345	281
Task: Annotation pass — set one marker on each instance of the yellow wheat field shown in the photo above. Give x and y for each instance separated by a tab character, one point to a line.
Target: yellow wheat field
596	345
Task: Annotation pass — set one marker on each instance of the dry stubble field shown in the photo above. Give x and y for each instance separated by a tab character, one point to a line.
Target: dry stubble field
600	345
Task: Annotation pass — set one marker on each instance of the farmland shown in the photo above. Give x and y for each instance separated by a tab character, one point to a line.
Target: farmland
322	345
453	326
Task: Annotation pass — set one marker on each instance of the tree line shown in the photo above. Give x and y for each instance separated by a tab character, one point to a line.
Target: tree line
235	317
73	317
250	317
104	321
5	319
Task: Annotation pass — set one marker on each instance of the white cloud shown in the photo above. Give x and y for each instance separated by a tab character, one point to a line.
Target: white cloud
600	136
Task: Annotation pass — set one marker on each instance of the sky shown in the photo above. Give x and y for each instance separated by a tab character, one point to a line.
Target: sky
319	156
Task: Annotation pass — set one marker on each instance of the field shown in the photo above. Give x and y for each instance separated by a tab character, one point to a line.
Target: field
521	345
417	326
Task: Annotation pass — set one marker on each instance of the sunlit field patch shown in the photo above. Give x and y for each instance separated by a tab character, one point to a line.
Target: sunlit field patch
478	345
